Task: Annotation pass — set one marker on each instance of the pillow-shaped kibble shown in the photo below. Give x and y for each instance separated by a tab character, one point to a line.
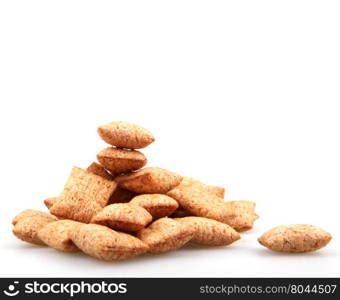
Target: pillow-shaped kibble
106	244
123	217
158	205
297	238
150	180
121	160
84	195
56	235
165	235
125	135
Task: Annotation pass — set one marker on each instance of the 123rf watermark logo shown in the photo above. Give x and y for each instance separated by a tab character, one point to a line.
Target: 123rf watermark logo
70	288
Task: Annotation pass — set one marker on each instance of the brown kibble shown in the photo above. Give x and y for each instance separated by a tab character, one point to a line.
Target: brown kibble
240	214
56	235
149	181
195	199
297	238
121	160
157	205
165	235
123	217
84	195
49	202
27	228
218	191
210	232
32	213
121	196
99	170
200	187
125	135
105	243
199	203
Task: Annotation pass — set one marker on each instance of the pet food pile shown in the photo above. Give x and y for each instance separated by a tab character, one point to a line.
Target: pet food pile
117	209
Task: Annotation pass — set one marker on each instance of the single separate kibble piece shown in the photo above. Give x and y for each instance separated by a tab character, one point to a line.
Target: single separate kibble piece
84	195
240	214
150	180
105	243
49	202
27	228
210	232
165	235
32	213
121	196
123	217
298	238
125	135
99	170
158	205
56	235
121	160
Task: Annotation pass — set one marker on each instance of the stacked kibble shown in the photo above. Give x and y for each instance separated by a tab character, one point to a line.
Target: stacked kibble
116	209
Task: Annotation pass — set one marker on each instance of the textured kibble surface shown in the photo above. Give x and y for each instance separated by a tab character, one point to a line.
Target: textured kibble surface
240	214
123	217
105	243
210	232
198	186
99	170
57	235
32	213
296	238
121	160
165	235
27	228
49	202
125	135
198	203
150	180
157	205
84	195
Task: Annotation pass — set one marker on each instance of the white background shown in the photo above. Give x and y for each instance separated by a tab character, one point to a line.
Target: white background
243	94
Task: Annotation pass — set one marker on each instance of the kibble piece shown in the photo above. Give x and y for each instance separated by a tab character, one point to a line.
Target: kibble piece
99	170
165	235
218	191
49	202
125	135
121	196
123	217
32	213
241	214
105	243
121	160
199	203
27	228
200	187
297	238
84	195
56	235
210	232
157	205
149	181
